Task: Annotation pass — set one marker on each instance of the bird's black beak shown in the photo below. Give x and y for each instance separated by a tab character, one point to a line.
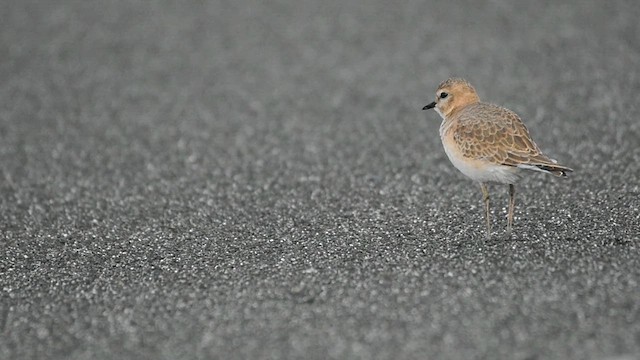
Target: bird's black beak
430	106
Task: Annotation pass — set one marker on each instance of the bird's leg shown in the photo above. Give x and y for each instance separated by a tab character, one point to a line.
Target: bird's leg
485	196
512	206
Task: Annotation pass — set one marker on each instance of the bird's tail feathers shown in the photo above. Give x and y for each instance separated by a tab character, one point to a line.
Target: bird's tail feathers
549	168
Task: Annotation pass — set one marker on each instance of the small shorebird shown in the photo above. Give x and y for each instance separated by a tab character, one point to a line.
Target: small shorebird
487	143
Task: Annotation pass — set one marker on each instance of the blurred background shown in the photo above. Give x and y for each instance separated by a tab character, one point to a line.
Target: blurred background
256	179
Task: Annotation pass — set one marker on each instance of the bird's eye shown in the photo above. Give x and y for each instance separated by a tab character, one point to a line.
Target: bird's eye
443	95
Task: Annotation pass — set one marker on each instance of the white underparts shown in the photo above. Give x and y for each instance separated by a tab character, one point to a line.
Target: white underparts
483	171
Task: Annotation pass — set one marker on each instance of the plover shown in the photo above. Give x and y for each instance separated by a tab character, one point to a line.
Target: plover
486	142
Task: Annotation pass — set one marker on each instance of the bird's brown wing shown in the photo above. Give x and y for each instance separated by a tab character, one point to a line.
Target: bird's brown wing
495	134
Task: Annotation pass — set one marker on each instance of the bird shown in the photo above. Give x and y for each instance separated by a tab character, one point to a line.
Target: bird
488	143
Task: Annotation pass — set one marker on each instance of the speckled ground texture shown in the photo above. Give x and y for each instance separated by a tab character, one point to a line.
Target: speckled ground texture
256	180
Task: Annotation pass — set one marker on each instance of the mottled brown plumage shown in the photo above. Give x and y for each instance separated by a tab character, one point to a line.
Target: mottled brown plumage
495	134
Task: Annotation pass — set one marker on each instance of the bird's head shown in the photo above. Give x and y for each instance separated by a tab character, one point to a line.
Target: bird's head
452	95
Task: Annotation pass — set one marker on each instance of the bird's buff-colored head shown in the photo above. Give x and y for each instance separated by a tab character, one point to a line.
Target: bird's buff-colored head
453	95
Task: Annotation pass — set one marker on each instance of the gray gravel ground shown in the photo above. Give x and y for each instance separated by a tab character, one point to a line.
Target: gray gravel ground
255	179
